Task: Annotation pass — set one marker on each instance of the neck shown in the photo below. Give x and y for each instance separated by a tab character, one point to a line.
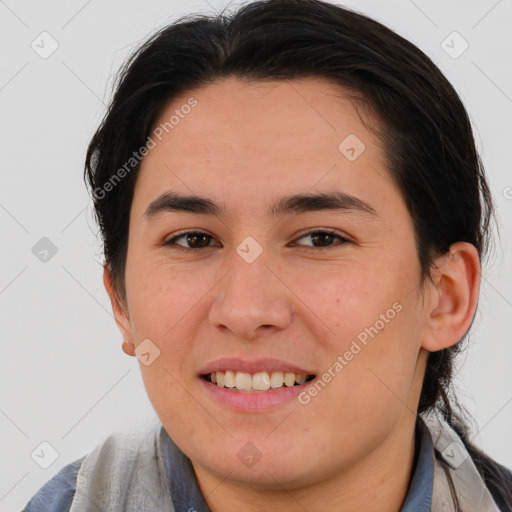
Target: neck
377	483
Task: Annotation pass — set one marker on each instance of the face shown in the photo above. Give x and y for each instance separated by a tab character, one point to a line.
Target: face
325	288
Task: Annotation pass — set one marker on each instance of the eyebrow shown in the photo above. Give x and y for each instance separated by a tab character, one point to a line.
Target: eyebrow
293	204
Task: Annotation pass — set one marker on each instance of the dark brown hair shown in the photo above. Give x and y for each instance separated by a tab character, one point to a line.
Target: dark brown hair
424	127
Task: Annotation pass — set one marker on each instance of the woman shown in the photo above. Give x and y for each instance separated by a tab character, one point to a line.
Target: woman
294	216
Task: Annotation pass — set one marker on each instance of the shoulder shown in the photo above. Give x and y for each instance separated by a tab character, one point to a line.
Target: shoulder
57	494
118	450
125	472
113	465
458	472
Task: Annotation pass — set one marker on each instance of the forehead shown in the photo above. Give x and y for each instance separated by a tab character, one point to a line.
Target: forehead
265	137
277	111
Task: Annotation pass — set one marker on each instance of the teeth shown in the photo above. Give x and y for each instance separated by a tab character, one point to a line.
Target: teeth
300	379
261	381
289	379
229	379
276	379
243	380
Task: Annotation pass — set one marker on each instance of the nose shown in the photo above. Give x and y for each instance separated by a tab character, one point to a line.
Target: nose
252	300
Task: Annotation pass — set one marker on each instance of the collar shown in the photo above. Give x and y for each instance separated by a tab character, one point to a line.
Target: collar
419	497
457	483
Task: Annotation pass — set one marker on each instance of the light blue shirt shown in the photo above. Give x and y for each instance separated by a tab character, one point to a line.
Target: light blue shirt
57	494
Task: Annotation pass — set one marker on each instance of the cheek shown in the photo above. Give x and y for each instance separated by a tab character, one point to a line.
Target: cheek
167	379
369	391
163	300
347	299
164	306
373	344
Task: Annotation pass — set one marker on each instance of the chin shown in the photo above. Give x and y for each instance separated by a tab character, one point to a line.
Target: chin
270	469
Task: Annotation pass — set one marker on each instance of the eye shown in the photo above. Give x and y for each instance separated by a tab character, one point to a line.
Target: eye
197	240
324	237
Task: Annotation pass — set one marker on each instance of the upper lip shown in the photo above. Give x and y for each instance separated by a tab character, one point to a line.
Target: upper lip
254	366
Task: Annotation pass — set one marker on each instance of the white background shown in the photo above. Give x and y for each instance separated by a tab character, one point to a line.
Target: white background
64	378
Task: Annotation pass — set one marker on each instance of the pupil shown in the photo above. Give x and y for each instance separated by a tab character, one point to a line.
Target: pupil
195	238
324	237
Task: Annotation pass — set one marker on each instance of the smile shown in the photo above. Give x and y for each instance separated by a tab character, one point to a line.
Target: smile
256	382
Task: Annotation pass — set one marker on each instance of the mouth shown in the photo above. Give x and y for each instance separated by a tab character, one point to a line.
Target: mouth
254	386
259	382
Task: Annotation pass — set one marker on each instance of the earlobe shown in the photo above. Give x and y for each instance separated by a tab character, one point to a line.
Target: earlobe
128	348
120	311
453	297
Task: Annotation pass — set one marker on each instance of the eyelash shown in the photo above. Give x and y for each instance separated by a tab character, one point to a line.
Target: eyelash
171	241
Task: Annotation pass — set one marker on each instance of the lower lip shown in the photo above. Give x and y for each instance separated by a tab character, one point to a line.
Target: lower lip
253	402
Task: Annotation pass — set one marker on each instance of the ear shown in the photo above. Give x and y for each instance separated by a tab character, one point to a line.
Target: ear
120	312
453	297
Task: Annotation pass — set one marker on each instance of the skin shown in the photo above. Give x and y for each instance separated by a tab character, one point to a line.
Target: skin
352	446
